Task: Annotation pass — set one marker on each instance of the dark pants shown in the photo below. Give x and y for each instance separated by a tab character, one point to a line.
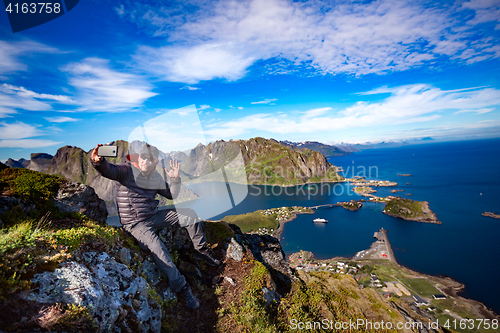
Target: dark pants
145	233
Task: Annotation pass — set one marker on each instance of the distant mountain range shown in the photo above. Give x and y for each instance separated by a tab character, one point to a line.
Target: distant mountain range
342	148
323	148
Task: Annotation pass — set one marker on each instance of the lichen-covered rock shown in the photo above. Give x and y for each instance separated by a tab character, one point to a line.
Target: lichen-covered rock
175	238
115	296
270	296
80	198
151	272
268	251
234	250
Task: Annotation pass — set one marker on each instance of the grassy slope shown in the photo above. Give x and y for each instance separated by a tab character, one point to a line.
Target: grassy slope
252	221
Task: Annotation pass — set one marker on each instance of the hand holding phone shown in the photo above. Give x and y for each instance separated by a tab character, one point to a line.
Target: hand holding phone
107	151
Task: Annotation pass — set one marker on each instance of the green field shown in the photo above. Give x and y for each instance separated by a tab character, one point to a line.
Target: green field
422	287
253	221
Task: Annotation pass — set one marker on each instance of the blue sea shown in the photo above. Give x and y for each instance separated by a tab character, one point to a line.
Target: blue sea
458	179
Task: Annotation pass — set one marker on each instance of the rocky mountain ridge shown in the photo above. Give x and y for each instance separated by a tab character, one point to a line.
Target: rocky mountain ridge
265	161
323	148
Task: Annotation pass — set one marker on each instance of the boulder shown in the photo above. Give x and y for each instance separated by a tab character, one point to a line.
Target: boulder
117	299
234	250
80	198
6	203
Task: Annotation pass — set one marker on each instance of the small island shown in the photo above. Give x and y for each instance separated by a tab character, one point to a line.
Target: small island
363	190
404	175
395	191
352	205
410	210
490	214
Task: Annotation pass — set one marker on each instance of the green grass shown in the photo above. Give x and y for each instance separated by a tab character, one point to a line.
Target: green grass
253	314
422	287
252	221
404	207
29	184
31	246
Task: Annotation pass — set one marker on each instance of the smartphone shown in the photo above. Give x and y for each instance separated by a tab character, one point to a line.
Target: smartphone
108	151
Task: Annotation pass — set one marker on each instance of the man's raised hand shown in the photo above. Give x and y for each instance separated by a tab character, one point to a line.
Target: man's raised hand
174	169
96	158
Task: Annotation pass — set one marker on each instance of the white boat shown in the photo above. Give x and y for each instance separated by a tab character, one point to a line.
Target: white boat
318	220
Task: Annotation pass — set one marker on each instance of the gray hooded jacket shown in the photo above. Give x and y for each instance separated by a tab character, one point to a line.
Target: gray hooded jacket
136	195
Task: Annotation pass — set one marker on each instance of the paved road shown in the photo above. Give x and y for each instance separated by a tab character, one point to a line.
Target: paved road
390	254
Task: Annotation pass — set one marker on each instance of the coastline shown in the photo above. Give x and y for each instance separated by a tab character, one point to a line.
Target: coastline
277	233
446	285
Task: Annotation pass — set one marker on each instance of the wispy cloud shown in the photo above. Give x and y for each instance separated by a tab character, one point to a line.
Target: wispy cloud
16	135
10	53
61	119
120	10
224	38
13	98
477	111
197	63
25	93
406	104
204	106
190	88
18	130
100	88
28	143
266	101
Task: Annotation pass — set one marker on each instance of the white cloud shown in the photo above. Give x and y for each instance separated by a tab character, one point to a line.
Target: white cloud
12	98
18	130
119	10
405	105
240	107
190	88
27	143
61	119
266	101
100	88
196	63
317	112
477	111
204	106
10	52
485	11
224	38
25	93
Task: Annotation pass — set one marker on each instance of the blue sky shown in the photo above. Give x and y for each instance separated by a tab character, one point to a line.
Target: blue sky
333	71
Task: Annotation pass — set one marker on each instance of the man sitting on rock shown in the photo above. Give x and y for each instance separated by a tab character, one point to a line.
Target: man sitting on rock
139	214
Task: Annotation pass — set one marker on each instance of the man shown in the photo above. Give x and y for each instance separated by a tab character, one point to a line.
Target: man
139	214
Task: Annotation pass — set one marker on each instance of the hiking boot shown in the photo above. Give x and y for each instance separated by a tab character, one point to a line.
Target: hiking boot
206	255
190	300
